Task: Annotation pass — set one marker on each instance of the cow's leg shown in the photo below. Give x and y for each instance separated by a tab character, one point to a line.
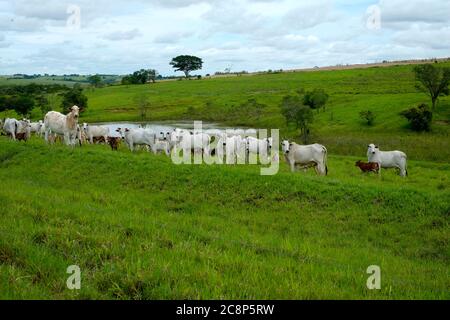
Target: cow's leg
66	138
292	164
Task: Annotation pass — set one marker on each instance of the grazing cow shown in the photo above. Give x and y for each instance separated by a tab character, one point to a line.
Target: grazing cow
93	133
114	142
368	167
304	157
140	137
388	159
65	125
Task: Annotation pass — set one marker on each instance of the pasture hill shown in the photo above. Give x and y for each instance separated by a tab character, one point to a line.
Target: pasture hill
386	91
140	227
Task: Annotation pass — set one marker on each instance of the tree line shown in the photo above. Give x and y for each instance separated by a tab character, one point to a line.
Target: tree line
23	99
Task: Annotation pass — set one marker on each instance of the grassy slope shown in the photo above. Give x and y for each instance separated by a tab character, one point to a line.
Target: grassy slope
142	228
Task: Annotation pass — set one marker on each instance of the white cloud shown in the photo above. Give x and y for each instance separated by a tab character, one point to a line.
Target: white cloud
123	35
119	36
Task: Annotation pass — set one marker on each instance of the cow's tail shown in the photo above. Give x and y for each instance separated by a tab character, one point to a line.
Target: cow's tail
325	159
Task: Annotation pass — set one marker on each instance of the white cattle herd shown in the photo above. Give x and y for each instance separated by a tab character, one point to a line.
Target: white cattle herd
234	145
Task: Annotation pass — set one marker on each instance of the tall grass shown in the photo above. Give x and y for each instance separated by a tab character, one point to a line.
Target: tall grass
142	228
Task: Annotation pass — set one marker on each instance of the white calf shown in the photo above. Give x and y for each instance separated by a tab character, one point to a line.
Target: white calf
95	132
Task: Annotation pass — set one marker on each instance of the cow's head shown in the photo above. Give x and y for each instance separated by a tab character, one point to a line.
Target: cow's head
269	143
75	111
121	131
358	163
373	149
286	146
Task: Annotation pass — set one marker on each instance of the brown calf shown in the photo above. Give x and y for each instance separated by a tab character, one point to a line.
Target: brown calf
368	167
99	140
114	142
23	136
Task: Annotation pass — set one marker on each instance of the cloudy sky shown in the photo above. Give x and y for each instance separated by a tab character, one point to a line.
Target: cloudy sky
120	36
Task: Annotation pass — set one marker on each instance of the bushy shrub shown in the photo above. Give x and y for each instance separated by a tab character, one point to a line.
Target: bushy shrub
420	118
368	116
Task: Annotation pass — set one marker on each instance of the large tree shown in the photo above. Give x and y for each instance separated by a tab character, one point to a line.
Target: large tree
316	99
73	97
140	77
95	80
433	80
186	64
22	105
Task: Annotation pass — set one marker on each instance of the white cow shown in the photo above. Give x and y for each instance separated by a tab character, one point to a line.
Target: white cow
92	132
10	127
233	147
197	142
42	130
258	146
139	136
304	157
35	127
24	127
388	159
65	125
161	146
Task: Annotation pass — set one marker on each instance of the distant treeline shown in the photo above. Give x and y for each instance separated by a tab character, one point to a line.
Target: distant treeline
23	99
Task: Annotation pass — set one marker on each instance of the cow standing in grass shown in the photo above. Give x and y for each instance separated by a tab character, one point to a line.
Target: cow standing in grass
12	127
64	125
137	137
96	134
304	157
368	167
388	159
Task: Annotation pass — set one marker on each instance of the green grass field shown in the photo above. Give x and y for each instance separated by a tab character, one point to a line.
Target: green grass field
140	227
